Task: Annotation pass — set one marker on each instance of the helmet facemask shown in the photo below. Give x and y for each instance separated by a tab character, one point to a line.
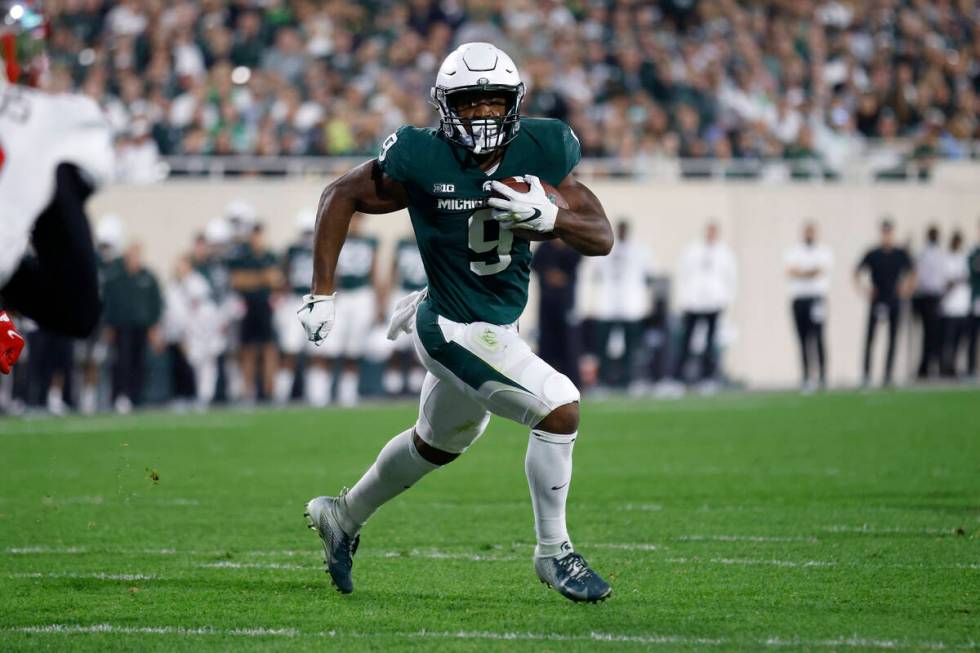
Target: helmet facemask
479	134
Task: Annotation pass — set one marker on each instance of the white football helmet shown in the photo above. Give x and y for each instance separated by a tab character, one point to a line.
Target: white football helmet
478	67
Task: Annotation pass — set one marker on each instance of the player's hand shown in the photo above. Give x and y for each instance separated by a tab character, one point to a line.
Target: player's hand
531	210
11	343
402	318
317	315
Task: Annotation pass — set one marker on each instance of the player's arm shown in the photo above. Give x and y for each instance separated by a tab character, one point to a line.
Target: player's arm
583	225
366	189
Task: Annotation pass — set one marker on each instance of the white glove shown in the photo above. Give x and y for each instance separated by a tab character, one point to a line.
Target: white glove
531	210
403	317
317	315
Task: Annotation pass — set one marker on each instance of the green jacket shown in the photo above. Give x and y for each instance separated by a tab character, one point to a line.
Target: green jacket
131	300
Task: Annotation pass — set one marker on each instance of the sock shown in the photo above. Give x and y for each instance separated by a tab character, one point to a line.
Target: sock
397	468
548	466
347	389
318	382
283	385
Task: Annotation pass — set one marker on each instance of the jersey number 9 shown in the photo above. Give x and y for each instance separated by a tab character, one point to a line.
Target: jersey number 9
487	238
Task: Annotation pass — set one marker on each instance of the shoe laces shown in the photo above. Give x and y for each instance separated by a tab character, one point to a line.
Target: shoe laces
575	566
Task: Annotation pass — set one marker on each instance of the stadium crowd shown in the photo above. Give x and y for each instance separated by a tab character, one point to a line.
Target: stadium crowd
223	328
806	80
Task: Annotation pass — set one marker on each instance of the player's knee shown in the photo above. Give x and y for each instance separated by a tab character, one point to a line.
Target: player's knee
432	454
563	419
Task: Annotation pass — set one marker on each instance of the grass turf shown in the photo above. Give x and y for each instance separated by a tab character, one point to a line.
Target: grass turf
842	521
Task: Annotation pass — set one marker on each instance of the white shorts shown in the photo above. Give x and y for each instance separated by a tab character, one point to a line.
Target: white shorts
289	330
355	314
479	369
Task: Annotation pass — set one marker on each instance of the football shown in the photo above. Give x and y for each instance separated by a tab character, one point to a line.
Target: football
522	186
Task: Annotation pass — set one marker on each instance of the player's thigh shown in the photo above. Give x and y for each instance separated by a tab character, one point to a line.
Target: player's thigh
494	366
449	419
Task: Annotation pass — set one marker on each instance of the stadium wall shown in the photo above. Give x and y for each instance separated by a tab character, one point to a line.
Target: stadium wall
759	221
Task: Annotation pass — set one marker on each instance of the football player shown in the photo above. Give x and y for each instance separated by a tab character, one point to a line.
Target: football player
55	150
477	256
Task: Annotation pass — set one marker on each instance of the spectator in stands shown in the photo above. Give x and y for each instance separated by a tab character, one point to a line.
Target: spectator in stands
931	274
752	77
892	276
955	305
556	266
706	281
133	306
622	283
808	265
255	274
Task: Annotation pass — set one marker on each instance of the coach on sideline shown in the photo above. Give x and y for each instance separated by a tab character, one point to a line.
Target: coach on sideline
892	278
808	266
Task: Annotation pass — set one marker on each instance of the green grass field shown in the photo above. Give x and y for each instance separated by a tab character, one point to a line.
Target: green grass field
844	521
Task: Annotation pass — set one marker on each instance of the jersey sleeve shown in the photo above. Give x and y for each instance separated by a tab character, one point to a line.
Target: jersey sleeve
395	157
570	147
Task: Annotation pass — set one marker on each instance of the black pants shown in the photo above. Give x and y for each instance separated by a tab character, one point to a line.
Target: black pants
889	310
618	371
955	331
558	344
708	361
971	350
182	381
926	309
57	287
809	332
50	354
129	368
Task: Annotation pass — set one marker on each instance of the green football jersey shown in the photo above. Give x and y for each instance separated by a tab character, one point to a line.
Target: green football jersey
355	262
477	272
409	266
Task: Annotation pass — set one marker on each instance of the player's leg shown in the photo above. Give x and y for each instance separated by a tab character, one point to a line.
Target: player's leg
449	421
492	365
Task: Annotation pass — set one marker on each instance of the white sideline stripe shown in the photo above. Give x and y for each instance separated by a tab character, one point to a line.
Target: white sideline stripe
744	538
98	500
866	528
648	639
752	561
652	507
227	564
89	576
638	546
449	555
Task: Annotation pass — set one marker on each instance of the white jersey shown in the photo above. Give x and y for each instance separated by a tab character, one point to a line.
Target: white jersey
622	282
815	259
38	132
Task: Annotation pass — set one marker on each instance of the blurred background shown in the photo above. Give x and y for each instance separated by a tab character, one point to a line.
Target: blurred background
794	186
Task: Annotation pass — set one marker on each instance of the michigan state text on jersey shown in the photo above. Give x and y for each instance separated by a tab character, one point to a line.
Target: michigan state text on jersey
464	323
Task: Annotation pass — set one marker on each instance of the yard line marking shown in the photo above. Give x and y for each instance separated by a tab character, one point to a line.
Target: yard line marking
744	538
651	507
872	530
638	546
752	562
598	637
85	576
33	550
227	564
447	555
